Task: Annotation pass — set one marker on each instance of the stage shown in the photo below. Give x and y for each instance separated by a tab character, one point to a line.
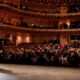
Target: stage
29	72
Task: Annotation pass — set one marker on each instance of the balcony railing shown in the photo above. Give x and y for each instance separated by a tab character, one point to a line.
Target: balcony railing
29	29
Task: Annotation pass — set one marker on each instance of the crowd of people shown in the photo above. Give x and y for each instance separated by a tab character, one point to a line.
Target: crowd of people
42	54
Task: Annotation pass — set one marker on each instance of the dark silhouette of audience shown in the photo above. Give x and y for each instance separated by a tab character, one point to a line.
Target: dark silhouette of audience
42	54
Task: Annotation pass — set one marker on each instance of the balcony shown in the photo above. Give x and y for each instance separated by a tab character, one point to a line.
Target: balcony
39	14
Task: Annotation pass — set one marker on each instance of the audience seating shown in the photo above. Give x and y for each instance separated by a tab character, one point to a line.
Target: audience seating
42	54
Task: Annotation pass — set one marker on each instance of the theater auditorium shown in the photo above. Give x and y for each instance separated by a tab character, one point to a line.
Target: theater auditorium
39	40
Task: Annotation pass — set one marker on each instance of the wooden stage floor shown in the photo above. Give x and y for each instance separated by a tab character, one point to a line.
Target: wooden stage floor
29	72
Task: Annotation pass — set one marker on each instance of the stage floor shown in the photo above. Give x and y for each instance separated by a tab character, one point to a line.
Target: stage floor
29	72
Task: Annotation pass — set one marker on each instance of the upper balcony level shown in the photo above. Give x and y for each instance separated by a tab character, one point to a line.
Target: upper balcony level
45	6
38	13
15	16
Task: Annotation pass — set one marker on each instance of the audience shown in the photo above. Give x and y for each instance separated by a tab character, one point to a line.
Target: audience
42	54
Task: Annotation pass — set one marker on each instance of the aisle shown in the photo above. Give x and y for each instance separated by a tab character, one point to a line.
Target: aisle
28	72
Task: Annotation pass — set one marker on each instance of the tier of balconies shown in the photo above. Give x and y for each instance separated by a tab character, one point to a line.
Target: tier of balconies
39	27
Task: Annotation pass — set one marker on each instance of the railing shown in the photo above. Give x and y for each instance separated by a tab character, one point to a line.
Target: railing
29	29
